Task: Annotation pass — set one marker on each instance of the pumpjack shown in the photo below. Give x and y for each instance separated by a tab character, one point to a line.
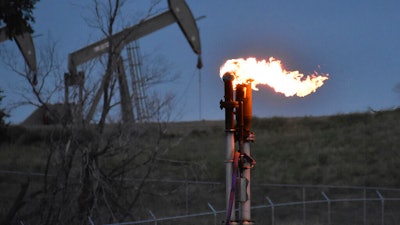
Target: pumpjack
178	12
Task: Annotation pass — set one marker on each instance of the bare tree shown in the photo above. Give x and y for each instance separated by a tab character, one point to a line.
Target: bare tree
47	91
106	17
96	172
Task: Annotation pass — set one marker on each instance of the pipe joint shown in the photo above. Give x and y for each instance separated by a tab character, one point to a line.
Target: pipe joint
228	104
250	136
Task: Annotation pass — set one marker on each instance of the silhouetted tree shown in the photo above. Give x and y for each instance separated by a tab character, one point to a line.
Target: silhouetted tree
49	85
3	114
17	16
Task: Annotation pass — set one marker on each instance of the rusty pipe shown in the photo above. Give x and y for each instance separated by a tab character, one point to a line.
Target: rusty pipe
247	110
229	103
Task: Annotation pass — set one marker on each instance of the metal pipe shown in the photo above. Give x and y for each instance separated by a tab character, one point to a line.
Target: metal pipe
247	109
229	106
248	162
246	205
230	148
238	162
240	96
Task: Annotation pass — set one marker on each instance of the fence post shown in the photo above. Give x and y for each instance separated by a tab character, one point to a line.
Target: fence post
153	216
186	192
304	205
272	210
382	205
90	220
329	207
365	206
214	211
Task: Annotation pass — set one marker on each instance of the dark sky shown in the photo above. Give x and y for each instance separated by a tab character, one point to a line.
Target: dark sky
356	42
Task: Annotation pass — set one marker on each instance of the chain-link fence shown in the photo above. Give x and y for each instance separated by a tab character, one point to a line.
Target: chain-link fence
283	204
305	204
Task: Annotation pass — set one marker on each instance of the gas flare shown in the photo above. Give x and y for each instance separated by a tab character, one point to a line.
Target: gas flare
273	74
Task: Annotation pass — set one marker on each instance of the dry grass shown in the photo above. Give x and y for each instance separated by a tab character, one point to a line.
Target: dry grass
350	149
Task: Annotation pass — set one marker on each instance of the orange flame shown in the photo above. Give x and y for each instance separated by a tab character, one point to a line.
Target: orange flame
272	74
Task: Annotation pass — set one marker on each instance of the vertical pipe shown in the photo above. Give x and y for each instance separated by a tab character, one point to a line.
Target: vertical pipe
230	140
246	205
248	109
242	194
240	132
230	148
229	104
240	98
247	118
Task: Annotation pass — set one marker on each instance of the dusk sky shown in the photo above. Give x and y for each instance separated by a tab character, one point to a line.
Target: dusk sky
356	42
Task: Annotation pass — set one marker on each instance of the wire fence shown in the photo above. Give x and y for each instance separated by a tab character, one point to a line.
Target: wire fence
287	204
358	205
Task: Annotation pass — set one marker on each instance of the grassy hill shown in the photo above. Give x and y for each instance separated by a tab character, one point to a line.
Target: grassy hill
349	149
354	149
359	149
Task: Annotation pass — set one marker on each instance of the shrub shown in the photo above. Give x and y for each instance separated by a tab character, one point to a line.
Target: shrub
3	115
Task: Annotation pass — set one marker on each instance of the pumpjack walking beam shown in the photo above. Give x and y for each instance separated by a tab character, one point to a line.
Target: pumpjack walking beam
178	12
25	44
